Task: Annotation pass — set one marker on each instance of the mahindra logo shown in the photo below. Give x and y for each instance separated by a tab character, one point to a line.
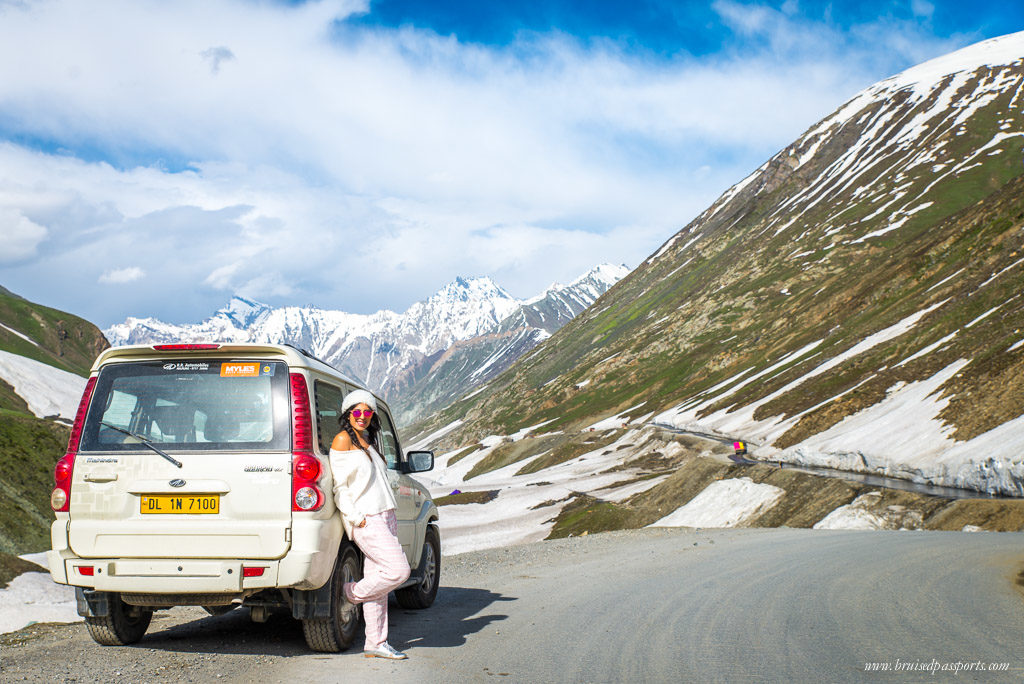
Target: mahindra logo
177	483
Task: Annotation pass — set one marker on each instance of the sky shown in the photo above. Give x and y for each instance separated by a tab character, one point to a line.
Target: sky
158	158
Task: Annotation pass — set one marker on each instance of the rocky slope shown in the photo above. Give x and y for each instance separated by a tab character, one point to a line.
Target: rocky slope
855	302
435	352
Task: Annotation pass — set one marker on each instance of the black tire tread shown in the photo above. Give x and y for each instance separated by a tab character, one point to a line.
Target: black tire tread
319	635
117	629
324	634
413	597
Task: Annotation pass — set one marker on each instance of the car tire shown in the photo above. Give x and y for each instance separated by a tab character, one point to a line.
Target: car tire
422	594
335	632
124	625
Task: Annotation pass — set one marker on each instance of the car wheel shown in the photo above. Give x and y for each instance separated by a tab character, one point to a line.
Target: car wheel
336	631
124	625
422	594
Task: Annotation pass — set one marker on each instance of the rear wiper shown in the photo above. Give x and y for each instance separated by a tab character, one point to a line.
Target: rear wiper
145	441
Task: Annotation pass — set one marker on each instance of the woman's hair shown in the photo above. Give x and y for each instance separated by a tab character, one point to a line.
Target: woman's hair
372	430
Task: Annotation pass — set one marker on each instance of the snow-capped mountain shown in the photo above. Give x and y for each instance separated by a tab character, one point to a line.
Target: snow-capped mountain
461	367
387	350
855	302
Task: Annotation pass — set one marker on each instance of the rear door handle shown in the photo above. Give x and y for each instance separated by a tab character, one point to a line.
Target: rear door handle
100	477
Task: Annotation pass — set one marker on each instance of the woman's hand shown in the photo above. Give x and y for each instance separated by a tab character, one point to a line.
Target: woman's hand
362	523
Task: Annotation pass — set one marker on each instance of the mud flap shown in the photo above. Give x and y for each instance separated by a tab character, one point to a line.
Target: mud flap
92	603
312	604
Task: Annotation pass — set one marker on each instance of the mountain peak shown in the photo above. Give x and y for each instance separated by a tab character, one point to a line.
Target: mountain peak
242	311
595	281
463	289
999	51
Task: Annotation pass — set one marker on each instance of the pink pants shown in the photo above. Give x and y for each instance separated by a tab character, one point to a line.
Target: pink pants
385	567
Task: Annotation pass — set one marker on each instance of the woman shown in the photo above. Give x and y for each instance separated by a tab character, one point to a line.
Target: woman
367	506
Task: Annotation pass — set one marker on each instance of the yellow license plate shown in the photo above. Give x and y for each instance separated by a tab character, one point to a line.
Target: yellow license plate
182	504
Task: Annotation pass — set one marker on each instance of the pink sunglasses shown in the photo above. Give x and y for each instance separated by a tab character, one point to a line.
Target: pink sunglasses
359	413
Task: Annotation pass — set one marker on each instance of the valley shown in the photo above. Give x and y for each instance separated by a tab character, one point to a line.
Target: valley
854	304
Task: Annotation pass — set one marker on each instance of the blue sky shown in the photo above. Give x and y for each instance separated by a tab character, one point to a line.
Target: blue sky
156	158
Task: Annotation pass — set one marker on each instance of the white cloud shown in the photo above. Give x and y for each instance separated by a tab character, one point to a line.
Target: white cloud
306	153
119	276
922	8
20	236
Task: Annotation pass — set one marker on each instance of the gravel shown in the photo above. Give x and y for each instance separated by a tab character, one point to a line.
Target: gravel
186	644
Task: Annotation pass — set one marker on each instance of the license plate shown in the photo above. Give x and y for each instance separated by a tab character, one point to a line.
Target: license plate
186	504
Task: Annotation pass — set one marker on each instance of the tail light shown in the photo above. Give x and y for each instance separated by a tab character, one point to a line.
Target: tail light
60	497
185	347
306	492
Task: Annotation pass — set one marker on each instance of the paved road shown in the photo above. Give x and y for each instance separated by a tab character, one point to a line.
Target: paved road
740	605
651	605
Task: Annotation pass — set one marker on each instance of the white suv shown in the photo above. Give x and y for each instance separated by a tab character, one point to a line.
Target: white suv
197	474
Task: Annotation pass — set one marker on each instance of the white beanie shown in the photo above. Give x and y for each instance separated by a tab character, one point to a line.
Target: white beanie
359	397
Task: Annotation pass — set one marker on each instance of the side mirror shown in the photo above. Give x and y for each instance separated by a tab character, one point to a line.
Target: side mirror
420	461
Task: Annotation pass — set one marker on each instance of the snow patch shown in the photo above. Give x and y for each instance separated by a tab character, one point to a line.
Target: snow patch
48	391
854	516
436	435
34	597
725	503
21	335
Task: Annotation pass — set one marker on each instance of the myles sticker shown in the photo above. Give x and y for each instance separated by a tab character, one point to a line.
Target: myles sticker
239	370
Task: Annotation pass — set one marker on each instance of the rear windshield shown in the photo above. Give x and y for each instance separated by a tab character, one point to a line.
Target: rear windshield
190	405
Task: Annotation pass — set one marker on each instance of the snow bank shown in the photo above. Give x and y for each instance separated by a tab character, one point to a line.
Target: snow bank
864	513
854	516
902	436
48	391
725	503
526	505
33	597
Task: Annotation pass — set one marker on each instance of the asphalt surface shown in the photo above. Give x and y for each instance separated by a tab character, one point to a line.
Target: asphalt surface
648	605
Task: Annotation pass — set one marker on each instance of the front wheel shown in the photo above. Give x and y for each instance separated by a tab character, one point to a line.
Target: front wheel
422	594
336	631
123	625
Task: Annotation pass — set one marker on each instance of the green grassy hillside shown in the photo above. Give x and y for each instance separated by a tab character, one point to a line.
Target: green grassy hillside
54	337
30	446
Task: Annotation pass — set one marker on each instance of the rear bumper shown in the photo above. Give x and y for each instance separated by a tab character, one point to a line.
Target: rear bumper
307	565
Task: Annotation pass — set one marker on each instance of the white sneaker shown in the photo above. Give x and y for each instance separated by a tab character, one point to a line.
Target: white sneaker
384	651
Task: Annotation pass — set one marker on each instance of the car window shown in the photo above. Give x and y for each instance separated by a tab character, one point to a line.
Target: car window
202	405
388	440
327	398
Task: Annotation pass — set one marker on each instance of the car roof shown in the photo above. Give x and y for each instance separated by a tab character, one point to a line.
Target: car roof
293	356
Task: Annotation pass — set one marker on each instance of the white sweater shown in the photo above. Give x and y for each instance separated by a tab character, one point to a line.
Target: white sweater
361	486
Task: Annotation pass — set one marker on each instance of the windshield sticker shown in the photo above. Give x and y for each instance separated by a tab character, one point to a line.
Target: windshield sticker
267	369
186	366
239	370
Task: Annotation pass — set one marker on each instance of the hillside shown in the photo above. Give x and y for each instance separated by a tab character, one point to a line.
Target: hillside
854	302
44	356
53	337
